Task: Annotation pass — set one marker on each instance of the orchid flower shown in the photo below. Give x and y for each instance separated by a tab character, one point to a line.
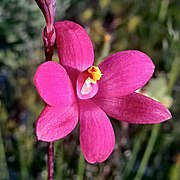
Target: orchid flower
75	89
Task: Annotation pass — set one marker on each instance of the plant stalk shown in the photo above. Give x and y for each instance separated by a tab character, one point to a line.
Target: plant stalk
148	151
50	160
81	167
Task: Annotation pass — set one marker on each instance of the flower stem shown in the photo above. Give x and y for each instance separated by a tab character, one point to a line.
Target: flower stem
81	167
50	160
148	151
3	162
139	139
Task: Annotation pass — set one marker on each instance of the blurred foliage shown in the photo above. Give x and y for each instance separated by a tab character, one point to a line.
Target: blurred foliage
149	26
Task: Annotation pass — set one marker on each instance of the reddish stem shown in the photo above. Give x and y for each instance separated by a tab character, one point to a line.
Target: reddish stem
48	7
50	160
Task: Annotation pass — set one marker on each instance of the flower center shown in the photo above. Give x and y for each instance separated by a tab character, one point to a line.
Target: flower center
86	84
93	75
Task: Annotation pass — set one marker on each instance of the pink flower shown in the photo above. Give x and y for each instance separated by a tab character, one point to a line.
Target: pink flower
74	89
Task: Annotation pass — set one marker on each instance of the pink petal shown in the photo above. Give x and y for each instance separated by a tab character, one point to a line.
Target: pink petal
96	133
55	123
53	84
134	108
124	72
74	46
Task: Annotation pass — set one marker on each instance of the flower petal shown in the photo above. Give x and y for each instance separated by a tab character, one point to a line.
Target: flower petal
124	72
74	46
53	84
134	108
55	123
96	133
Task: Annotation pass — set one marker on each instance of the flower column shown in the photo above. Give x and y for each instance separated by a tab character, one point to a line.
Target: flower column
48	8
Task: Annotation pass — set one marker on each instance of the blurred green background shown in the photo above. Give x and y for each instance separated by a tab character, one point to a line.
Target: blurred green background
148	152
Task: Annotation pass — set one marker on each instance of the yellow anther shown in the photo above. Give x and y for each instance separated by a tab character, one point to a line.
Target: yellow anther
107	37
94	74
